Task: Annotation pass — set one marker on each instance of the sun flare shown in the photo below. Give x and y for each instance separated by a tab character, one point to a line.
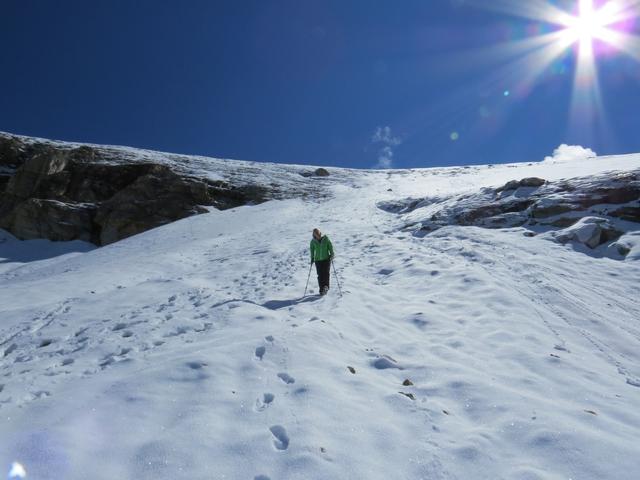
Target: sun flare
593	23
593	29
587	26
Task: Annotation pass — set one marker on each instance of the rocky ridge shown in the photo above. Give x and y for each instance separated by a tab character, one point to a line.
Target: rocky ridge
592	211
65	191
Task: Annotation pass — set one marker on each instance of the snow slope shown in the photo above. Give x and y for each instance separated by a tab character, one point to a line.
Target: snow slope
189	352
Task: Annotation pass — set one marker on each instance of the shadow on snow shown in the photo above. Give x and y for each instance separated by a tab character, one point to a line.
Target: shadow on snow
271	304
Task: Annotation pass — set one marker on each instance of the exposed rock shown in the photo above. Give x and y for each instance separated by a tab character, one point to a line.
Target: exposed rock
612	197
408	395
62	191
58	221
525	182
318	172
4	180
55	195
563	222
621	248
506	220
471	216
152	200
548	208
12	153
629	213
590	231
532	182
511	185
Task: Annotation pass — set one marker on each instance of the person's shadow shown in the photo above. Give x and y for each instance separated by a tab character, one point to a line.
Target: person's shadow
272	304
278	304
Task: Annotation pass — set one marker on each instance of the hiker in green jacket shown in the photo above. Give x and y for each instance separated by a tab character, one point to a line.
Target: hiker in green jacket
321	255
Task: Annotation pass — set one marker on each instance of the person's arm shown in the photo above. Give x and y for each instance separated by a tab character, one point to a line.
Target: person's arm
330	248
311	251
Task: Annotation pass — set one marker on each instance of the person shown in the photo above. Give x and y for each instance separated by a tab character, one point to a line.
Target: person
321	254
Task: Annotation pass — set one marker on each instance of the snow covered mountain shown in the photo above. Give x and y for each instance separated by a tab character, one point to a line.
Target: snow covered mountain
65	191
502	345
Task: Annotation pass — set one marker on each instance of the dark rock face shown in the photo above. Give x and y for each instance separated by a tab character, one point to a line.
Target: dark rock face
77	193
318	172
533	182
629	213
154	199
546	210
58	221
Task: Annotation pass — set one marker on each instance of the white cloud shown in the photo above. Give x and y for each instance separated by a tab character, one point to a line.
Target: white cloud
384	135
570	153
387	140
385	158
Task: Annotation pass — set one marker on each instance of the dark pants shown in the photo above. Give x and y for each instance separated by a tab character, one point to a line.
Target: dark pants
323	267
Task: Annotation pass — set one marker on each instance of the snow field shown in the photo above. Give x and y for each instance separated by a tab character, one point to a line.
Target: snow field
188	352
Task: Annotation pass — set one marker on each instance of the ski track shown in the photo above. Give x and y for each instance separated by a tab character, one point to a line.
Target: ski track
464	354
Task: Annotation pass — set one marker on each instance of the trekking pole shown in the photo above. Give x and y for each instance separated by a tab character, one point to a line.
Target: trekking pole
336	274
308	277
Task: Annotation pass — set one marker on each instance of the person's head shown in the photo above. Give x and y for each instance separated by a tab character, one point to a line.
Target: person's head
317	234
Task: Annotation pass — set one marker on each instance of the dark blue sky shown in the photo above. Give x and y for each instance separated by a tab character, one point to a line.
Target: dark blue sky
298	81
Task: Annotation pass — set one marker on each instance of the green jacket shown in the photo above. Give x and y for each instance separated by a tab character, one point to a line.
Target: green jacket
321	250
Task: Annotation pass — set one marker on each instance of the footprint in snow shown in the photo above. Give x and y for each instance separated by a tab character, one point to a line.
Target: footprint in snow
197	365
264	402
10	349
384	362
40	394
281	441
260	351
286	378
633	382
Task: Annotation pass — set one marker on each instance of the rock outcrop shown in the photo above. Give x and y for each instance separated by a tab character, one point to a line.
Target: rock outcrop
589	231
318	172
591	211
61	191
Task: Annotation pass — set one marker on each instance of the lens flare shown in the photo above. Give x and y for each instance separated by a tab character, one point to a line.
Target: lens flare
17	471
593	23
592	29
586	26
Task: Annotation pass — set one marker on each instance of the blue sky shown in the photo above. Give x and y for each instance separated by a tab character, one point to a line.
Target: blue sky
357	83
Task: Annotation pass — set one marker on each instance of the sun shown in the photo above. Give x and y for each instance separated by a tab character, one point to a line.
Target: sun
593	29
590	24
587	26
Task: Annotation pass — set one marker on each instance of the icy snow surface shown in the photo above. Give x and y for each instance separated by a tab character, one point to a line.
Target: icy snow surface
188	352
